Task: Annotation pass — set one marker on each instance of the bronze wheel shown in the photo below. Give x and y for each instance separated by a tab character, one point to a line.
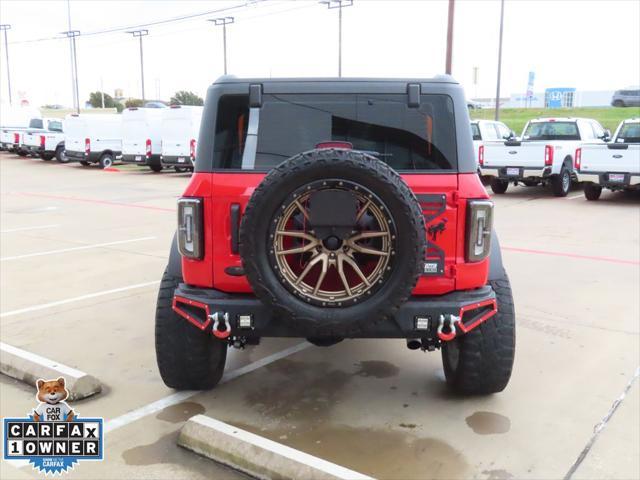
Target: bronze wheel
327	269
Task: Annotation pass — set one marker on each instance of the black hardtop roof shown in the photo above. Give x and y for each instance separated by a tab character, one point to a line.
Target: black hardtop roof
306	80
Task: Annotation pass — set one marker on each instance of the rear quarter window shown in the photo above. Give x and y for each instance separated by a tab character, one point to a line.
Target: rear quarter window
408	139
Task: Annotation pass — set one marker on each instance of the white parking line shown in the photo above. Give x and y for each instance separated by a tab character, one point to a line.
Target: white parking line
44	306
178	397
24	229
73	249
573	197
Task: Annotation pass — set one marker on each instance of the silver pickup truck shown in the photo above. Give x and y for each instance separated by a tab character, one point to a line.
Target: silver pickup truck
543	155
615	165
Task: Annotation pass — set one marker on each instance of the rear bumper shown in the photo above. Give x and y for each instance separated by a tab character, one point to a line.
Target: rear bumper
141	159
36	150
176	161
74	156
602	179
523	172
196	305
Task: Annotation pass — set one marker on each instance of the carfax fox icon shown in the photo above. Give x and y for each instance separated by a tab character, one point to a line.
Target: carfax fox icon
53	438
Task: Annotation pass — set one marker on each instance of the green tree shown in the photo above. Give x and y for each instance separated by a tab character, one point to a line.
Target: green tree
95	99
133	102
183	97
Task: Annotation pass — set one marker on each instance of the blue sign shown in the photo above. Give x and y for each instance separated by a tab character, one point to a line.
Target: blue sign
558	97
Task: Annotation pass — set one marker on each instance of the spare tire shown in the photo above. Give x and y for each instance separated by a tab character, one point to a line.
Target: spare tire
333	240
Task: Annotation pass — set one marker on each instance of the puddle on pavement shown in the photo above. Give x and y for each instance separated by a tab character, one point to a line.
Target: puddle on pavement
180	412
311	392
376	369
488	423
497	475
380	453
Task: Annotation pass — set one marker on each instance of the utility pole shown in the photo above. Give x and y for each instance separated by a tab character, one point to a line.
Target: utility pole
449	37
4	28
339	4
224	21
72	34
497	116
140	34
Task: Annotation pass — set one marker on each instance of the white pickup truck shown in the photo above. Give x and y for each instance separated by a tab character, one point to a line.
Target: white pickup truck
543	155
484	131
47	141
615	165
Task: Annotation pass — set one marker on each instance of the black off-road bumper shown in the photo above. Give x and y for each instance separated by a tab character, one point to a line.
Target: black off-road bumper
417	318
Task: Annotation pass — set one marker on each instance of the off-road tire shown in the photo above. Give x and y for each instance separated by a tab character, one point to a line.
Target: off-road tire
84	163
592	191
353	166
61	156
188	359
486	353
499	186
559	185
156	168
106	160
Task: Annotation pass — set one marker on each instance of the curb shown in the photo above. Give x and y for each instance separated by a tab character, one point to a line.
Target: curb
29	367
256	456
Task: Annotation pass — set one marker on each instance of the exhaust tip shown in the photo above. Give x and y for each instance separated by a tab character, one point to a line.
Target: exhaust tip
413	343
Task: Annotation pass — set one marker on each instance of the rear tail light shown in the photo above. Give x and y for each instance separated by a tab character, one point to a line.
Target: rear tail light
481	155
16	138
190	227
548	155
577	159
479	224
192	150
42	140
148	147
87	146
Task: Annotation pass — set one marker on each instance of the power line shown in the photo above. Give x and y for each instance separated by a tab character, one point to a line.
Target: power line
148	24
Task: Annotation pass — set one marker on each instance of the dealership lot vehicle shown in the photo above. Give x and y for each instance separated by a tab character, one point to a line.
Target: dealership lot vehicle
13	121
345	404
93	138
488	131
46	142
626	98
141	140
615	166
354	235
180	128
543	155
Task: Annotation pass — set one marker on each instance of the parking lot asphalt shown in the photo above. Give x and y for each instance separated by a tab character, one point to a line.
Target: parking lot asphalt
82	251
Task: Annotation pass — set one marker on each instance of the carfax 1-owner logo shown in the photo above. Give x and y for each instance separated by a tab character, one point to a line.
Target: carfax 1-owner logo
53	437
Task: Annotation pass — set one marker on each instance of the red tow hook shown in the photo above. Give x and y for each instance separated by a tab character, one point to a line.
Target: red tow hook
221	334
451	321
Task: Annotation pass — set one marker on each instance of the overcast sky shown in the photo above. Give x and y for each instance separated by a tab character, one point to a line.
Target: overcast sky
590	45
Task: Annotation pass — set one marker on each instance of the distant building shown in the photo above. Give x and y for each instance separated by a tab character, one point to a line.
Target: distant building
561	97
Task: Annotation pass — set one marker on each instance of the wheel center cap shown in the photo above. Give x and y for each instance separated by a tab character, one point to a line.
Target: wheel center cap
332	243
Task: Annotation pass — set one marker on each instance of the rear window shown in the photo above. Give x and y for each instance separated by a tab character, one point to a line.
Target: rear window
629	133
475	130
552	131
55	126
36	123
408	139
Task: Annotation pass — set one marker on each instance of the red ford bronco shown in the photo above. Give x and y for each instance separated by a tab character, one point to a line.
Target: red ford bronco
328	209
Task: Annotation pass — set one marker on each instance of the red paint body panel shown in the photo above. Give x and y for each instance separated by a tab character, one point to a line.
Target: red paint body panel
221	190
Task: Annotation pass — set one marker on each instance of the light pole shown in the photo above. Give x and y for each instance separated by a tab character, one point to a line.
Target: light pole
4	28
339	4
140	34
497	115
72	34
224	21
449	37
